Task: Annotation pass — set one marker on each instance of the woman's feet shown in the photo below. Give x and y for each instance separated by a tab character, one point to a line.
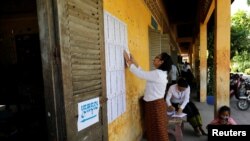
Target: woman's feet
199	131
202	131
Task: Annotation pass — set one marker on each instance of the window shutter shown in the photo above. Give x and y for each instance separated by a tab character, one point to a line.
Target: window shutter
154	45
165	43
81	41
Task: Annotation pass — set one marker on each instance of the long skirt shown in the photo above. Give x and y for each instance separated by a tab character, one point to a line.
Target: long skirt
156	120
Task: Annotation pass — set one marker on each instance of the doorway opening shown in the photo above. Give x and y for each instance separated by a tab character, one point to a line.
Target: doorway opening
22	107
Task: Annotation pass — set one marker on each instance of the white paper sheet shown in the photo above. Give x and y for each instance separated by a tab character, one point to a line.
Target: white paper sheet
179	115
88	113
115	44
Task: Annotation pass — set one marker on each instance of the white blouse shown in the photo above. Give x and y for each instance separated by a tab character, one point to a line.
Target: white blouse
156	82
175	96
173	74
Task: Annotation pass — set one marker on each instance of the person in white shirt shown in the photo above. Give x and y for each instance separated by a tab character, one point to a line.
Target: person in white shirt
172	77
173	74
177	99
188	75
186	67
154	103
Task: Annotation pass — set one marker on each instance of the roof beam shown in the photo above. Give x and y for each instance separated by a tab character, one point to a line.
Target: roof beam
210	12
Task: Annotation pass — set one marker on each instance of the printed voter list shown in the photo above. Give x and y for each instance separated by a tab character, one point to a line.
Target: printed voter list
216	132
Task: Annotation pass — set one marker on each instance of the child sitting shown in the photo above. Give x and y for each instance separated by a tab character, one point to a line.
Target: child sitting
223	117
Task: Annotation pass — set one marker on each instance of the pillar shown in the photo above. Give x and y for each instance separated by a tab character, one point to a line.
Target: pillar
203	62
222	52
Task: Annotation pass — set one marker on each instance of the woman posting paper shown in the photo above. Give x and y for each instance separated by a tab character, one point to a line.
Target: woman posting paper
154	104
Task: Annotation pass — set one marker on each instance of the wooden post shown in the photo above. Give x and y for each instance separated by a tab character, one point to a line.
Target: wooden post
222	52
203	62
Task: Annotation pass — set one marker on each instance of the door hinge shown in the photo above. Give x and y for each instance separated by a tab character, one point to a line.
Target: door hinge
103	100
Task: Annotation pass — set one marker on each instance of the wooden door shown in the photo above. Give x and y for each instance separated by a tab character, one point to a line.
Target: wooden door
71	34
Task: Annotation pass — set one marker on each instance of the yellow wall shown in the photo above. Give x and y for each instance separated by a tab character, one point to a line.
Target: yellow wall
137	16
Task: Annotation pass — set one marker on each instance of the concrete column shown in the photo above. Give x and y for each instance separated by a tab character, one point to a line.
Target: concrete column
196	72
193	59
222	52
197	64
203	62
190	54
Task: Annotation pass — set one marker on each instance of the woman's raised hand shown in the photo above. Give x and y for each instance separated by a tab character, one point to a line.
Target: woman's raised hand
127	58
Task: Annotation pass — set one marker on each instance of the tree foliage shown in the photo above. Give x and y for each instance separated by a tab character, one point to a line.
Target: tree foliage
210	62
240	40
240	33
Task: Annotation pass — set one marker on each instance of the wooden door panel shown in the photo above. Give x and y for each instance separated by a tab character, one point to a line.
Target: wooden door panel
83	64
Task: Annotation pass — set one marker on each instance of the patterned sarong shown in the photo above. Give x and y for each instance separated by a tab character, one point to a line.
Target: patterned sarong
156	120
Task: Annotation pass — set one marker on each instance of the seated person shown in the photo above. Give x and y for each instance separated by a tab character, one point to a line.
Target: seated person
178	99
223	117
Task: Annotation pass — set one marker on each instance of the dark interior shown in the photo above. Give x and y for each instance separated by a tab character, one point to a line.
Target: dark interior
184	16
22	110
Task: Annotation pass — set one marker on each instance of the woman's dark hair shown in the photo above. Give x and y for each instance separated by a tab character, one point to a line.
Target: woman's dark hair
167	62
224	109
182	82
